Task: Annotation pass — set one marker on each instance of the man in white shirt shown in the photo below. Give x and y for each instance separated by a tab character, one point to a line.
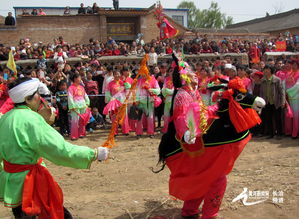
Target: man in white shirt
107	78
153	58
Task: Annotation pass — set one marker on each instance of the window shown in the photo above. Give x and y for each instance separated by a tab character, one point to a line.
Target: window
178	19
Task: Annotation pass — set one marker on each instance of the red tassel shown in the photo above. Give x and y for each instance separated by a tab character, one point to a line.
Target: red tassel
242	119
143	71
255	118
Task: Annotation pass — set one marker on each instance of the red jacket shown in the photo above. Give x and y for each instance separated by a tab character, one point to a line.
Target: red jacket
116	52
107	52
91	87
169	50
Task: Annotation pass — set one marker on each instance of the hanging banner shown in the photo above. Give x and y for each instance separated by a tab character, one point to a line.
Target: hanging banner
281	46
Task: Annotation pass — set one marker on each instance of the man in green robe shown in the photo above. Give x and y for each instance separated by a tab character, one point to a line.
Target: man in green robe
25	137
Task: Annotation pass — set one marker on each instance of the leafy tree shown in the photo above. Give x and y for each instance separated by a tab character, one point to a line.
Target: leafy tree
193	12
206	18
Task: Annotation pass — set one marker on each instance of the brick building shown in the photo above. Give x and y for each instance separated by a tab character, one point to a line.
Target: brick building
122	25
272	24
179	15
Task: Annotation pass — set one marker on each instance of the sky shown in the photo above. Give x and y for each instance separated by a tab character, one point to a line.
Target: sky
238	9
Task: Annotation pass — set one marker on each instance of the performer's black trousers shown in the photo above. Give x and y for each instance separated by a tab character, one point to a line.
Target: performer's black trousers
19	214
159	111
102	105
272	122
63	121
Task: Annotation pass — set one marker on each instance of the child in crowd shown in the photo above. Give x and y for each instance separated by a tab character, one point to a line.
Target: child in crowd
91	88
256	89
243	75
41	62
61	101
3	90
114	97
97	120
78	102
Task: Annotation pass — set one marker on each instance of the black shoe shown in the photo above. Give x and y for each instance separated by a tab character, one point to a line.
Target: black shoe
138	136
278	137
67	214
196	216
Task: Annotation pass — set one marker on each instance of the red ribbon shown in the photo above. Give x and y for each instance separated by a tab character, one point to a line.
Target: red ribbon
42	196
242	119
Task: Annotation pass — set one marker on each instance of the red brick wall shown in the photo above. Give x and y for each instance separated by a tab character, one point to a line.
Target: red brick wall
294	31
80	28
74	29
234	36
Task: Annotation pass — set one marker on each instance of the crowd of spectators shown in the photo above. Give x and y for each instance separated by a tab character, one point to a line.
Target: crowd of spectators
95	48
94	74
34	12
67	11
10	20
88	10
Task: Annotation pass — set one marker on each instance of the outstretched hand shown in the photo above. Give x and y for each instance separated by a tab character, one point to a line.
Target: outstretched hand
102	153
188	138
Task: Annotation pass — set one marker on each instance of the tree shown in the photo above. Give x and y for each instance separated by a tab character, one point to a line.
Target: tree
207	18
278	7
193	11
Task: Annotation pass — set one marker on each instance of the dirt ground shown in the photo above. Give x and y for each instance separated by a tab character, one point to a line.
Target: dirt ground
125	187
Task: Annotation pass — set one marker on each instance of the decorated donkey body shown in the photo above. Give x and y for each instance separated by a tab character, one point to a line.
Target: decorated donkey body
194	167
202	143
220	132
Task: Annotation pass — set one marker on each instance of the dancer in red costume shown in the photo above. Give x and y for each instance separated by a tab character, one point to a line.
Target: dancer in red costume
200	160
115	95
3	91
128	81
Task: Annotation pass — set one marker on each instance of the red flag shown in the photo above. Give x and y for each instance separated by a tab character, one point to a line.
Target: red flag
254	54
281	46
166	29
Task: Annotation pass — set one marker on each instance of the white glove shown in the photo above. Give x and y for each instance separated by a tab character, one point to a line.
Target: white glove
188	138
259	104
102	153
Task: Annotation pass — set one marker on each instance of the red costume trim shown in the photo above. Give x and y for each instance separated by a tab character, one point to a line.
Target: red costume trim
191	177
242	119
42	196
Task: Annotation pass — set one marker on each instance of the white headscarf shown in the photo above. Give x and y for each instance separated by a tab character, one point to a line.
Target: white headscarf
43	89
23	90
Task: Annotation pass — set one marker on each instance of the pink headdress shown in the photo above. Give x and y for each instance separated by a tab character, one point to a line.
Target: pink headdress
183	68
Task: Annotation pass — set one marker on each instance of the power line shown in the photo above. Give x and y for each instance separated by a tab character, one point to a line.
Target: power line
246	14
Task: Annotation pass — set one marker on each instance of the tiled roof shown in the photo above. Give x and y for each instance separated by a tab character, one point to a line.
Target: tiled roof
281	21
